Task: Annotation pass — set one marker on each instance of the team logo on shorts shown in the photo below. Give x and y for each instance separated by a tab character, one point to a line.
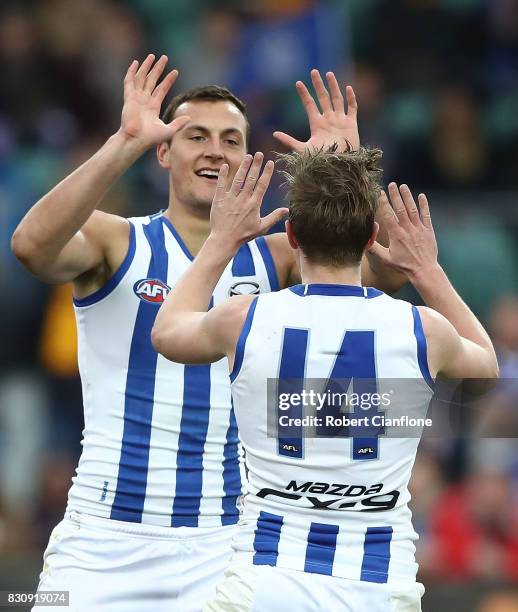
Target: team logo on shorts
244	288
151	290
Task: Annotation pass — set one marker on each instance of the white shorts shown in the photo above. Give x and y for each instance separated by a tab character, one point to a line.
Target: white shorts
262	588
114	566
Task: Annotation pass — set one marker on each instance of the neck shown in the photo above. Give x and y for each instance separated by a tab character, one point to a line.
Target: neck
192	225
312	274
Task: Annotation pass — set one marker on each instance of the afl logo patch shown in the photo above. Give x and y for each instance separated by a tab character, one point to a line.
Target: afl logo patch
151	290
244	288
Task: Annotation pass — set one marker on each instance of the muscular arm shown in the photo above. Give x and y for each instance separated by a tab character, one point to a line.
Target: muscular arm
61	237
458	345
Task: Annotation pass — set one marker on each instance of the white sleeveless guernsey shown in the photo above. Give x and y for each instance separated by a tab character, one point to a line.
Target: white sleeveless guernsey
329	505
160	443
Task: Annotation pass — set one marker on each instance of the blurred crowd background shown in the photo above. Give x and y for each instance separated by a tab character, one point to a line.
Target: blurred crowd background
437	85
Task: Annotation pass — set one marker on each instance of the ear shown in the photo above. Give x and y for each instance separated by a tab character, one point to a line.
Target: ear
162	153
374	235
291	236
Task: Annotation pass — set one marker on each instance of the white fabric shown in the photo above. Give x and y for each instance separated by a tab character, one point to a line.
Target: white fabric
275	589
112	566
106	329
327	460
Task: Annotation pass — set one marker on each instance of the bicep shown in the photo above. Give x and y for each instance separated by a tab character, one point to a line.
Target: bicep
204	337
195	341
76	258
86	250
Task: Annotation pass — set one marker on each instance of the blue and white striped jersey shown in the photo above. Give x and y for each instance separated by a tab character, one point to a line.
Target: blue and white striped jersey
160	442
317	503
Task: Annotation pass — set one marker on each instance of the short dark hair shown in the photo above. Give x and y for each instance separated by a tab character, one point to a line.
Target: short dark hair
207	93
332	199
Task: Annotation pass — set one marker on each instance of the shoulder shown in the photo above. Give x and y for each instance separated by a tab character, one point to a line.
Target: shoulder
442	339
233	310
435	325
101	223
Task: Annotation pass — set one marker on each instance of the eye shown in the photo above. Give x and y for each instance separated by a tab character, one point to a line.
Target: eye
197	138
232	142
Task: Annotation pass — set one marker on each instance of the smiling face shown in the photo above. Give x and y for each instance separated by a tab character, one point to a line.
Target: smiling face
215	135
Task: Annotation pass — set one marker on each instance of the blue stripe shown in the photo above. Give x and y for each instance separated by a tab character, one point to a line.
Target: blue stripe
336	290
177	236
291	382
422	357
231	474
191	442
129	498
320	552
266	540
264	249
114	281
241	341
243	262
376	554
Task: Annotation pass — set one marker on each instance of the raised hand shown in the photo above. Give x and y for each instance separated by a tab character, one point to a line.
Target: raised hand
333	124
142	101
236	214
413	248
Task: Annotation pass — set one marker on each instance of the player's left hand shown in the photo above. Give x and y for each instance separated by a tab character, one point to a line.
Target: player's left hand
413	247
331	126
235	215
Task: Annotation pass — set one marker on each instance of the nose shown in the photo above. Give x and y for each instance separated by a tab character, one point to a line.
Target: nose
213	149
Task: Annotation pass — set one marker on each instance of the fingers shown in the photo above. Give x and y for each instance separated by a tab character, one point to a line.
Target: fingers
336	94
239	179
177	124
163	89
263	183
253	174
221	186
141	74
321	91
380	252
308	101
129	79
154	74
274	217
410	205
288	141
398	205
425	211
387	216
352	104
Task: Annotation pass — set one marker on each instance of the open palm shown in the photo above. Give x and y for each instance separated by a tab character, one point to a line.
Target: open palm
142	102
331	126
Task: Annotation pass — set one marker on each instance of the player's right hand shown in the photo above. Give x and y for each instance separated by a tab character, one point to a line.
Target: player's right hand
143	99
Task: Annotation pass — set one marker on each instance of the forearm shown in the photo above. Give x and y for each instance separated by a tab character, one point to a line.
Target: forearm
54	220
193	292
438	293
